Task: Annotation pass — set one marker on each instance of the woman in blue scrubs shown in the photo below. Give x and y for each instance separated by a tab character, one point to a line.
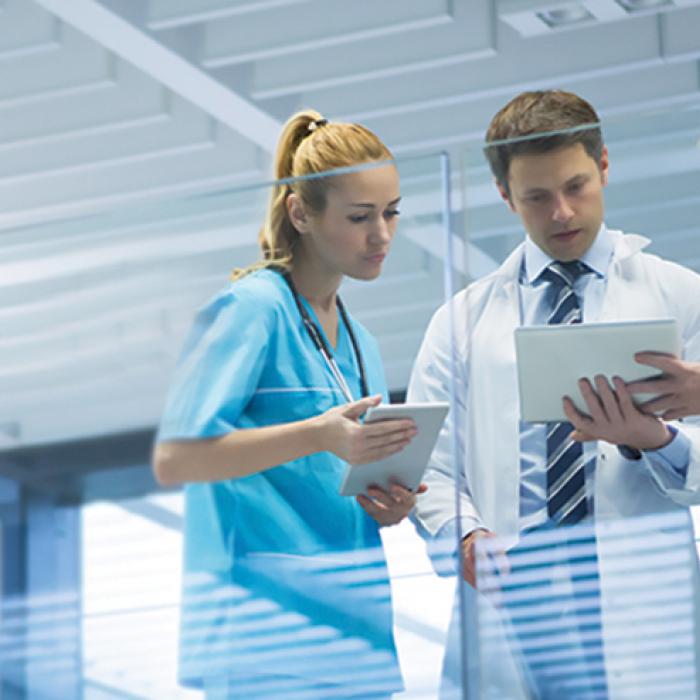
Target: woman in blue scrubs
286	591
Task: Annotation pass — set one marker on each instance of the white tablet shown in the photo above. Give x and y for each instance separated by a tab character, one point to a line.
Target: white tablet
406	467
551	360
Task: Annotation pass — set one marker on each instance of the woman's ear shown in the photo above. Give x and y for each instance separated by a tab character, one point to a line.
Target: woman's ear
297	213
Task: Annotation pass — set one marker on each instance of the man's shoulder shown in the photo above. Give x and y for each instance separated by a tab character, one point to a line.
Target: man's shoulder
632	247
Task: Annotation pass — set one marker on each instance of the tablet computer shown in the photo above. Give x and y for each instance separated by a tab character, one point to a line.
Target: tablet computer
406	467
551	360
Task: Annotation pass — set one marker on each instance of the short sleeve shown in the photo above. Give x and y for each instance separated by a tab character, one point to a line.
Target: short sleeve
220	367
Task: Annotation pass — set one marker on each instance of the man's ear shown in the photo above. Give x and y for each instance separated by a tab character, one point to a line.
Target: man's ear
504	194
604	166
297	213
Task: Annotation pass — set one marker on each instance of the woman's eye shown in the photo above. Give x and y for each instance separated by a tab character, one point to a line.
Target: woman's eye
391	213
357	218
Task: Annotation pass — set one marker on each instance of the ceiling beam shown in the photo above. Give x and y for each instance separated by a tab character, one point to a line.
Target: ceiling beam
168	68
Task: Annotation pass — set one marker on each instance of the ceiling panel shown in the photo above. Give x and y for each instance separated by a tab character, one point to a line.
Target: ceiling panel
104	260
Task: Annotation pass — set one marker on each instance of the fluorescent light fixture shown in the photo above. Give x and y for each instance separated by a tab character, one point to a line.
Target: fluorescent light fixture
637	5
564	15
537	17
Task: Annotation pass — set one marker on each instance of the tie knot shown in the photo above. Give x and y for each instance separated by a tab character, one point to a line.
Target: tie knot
564	274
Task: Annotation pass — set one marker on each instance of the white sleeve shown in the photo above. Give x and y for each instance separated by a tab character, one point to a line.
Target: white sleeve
436	510
681	286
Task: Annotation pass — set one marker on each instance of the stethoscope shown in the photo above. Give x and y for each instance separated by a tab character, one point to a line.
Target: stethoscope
320	342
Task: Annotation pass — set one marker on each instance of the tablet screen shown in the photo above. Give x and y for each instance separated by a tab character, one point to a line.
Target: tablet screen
551	360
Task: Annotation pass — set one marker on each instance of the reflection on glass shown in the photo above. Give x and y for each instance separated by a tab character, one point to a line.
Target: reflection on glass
587	617
270	594
588	572
263	413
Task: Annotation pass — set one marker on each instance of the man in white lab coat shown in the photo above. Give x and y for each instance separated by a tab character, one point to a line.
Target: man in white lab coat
638	474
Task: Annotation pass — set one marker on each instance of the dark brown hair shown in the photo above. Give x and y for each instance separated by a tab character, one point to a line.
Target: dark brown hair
538	122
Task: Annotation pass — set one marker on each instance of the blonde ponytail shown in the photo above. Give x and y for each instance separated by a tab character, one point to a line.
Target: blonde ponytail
308	145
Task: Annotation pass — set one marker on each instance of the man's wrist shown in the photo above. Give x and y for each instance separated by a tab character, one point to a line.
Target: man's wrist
633	452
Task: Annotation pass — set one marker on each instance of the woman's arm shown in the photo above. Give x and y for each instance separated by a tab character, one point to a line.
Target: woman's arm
244	452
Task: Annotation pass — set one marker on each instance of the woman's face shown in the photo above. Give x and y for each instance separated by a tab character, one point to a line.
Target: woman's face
353	234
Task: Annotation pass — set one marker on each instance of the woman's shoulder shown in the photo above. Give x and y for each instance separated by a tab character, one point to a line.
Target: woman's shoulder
262	292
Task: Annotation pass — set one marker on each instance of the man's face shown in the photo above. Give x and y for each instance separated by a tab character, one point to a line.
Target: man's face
559	197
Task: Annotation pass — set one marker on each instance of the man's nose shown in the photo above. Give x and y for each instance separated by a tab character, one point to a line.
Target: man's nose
562	209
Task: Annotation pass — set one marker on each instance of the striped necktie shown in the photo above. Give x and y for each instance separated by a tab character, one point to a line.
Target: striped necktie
566	483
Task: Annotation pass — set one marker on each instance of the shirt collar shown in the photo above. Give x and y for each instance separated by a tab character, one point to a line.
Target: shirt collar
597	257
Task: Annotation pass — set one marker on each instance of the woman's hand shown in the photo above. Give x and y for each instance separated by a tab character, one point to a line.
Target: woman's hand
389	508
341	433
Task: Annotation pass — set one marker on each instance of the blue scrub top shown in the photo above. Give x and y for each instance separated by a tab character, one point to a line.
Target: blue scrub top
283	575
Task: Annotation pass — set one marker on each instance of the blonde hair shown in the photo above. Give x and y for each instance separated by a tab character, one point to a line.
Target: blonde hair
308	145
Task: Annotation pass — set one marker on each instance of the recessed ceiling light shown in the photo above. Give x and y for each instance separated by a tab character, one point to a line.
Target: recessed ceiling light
635	5
565	15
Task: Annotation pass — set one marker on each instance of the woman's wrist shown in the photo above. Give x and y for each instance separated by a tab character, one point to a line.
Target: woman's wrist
315	433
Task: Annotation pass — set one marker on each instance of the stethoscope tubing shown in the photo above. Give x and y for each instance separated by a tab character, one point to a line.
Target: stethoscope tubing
319	342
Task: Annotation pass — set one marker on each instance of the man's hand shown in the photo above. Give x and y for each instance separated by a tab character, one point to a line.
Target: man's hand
497	561
678	386
613	417
389	508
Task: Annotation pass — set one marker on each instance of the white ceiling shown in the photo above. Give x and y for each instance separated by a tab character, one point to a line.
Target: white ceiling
113	112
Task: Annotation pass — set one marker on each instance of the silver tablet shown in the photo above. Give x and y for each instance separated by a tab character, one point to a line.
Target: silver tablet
551	360
406	467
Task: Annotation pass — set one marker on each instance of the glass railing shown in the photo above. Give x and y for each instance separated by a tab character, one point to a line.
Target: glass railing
257	587
589	586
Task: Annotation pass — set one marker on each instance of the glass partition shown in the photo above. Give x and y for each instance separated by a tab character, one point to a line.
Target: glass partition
588	579
115	587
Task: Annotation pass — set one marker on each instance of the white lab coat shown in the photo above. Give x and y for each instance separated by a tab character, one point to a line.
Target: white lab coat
486	416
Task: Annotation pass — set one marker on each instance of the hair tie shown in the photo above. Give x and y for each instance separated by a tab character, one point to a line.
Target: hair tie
317	124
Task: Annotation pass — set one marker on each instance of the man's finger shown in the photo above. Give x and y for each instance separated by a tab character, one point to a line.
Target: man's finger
660	403
576	418
660	360
496	555
608	399
581	436
676	413
627	406
595	408
651	386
